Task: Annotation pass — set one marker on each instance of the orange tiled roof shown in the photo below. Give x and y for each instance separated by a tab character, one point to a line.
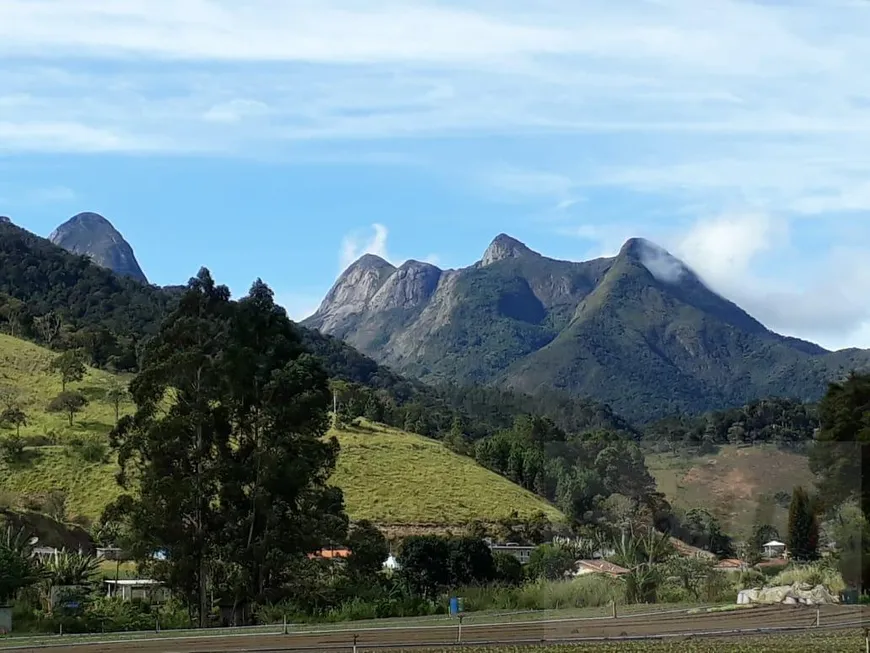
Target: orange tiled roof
602	567
330	554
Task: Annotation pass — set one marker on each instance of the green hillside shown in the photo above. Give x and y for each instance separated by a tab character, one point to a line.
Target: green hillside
639	332
388	476
739	485
394	477
25	374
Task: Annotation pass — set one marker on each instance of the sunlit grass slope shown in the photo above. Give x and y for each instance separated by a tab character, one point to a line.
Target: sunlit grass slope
388	476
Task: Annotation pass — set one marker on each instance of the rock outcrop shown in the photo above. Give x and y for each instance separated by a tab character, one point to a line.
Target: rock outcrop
92	235
798	593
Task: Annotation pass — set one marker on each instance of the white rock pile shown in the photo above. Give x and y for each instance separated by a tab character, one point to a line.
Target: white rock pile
798	593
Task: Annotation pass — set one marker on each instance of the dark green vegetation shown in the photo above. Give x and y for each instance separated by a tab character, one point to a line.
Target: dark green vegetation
841	459
648	344
66	302
803	527
231	480
787	423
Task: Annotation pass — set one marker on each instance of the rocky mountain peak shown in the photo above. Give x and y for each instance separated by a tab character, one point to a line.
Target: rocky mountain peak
502	247
5	219
370	261
661	264
352	291
411	286
92	235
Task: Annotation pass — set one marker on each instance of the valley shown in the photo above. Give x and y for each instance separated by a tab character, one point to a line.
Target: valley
600	408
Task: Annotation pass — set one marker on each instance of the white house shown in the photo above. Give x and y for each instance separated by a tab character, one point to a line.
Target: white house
774	549
109	552
44	553
139	588
519	551
391	564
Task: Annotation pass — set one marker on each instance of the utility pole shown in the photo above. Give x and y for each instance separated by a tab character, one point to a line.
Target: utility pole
334	409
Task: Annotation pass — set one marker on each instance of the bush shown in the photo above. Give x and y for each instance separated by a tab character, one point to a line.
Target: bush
586	591
90	450
813	574
749	579
102	615
549	562
508	570
12	449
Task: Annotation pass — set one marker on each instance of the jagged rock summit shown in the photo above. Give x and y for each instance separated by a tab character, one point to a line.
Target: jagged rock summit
639	330
503	247
92	235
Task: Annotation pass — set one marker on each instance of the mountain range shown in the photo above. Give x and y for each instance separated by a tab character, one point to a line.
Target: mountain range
639	331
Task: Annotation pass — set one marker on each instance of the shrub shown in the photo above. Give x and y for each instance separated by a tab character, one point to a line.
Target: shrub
812	574
90	450
12	448
586	591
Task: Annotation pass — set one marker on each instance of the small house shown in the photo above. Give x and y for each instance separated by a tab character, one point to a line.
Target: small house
774	549
391	564
520	552
109	552
140	588
331	554
45	553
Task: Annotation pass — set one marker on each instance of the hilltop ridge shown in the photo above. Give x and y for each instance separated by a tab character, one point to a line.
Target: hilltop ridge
640	330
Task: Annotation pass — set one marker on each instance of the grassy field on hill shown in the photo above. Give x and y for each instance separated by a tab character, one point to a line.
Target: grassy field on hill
24	370
388	476
735	484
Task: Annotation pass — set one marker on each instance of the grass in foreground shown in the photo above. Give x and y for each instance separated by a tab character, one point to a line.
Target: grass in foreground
476	618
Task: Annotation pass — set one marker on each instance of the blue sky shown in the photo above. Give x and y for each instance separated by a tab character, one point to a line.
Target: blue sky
282	138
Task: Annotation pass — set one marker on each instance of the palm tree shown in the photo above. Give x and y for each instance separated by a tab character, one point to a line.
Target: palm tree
18	569
642	554
66	569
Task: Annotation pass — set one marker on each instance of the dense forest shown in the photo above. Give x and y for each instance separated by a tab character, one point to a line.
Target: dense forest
785	422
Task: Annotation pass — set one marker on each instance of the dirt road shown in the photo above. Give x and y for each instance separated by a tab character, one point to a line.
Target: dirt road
515	633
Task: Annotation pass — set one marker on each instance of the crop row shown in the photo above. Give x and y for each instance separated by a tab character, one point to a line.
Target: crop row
822	642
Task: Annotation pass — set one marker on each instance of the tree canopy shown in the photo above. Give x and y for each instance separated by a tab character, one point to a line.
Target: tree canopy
230	481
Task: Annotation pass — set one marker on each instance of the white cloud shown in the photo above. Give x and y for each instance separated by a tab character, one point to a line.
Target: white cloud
16	195
358	243
815	293
342	69
753	110
721	249
62	137
373	241
235	110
